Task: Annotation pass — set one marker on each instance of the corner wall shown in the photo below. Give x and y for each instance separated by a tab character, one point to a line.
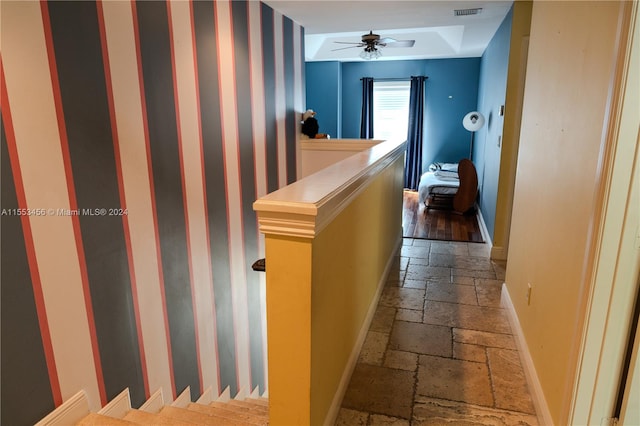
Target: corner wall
173	117
502	72
488	140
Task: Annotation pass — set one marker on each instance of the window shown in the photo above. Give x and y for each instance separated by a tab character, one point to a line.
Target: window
391	109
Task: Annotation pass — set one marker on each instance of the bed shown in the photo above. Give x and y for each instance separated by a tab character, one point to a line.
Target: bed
449	185
441	182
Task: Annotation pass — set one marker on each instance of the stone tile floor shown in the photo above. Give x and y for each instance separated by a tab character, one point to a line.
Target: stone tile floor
439	350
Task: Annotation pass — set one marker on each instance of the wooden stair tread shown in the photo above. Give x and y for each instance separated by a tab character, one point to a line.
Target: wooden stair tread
245	418
95	419
192	416
255	409
259	401
145	418
248	404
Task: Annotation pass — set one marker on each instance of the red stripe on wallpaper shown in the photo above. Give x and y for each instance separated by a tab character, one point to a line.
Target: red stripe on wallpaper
184	196
64	145
204	189
152	192
123	201
28	240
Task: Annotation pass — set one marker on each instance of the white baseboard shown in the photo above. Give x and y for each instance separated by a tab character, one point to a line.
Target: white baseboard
183	399
207	397
155	402
483	226
256	393
334	409
539	401
242	394
225	395
69	412
118	406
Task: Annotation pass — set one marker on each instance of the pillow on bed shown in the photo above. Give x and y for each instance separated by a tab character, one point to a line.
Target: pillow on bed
448	167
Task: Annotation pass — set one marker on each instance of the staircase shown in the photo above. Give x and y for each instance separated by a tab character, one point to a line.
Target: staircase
252	411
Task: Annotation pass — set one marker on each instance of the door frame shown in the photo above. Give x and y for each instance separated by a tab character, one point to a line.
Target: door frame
613	262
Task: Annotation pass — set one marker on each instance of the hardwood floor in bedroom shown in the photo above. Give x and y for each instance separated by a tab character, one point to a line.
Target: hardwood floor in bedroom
436	224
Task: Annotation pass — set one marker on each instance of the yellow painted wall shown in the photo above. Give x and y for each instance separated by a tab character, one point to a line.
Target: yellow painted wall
520	28
288	324
571	54
349	259
319	292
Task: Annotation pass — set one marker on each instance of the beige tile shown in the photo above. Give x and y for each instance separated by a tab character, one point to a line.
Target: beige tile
383	319
348	417
453	293
500	268
421	338
409	315
403	262
461	262
483	338
380	420
439	337
415	251
489	292
468	352
395	276
509	382
401	360
380	390
399	297
375	344
421	272
424	261
432	411
393	283
455	380
466	316
479	250
459	272
463	280
458	249
421	243
421	284
442	280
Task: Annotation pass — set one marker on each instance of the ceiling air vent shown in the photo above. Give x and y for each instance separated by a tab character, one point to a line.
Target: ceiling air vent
467	12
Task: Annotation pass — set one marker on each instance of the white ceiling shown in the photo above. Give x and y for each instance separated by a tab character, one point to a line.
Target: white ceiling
432	24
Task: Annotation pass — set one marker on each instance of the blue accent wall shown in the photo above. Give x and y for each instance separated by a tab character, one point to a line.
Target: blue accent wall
451	92
491	95
323	80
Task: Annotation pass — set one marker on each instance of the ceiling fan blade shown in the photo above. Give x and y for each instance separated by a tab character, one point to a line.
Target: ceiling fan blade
401	43
387	40
342	48
349	42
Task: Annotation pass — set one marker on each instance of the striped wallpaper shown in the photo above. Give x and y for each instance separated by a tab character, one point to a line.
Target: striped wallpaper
135	138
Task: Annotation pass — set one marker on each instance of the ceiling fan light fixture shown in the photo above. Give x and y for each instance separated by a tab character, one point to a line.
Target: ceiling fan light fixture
370	52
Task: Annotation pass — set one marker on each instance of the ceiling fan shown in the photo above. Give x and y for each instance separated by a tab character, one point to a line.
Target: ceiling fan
372	42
